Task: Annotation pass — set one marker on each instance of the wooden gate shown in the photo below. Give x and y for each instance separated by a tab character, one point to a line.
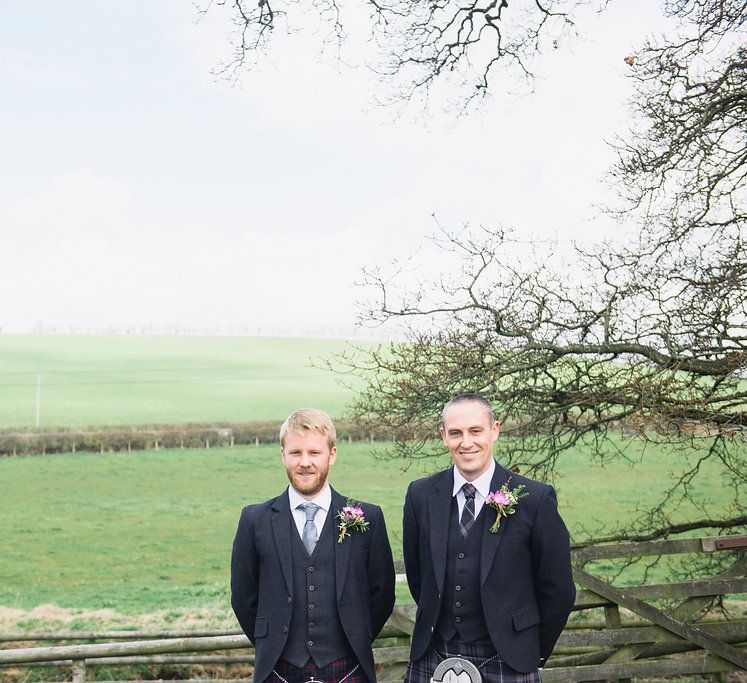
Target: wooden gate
639	639
615	632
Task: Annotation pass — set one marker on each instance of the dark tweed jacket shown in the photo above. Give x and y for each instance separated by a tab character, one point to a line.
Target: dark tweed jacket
262	581
526	582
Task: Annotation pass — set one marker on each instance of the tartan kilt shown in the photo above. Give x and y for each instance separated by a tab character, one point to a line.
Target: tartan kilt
495	671
333	672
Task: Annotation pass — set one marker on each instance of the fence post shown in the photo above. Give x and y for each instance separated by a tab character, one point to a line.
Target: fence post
612	620
79	670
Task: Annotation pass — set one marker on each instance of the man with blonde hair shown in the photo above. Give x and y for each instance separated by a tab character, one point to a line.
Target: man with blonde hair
312	577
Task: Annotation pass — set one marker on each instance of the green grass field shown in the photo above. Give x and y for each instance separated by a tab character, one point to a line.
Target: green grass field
152	530
149	531
93	380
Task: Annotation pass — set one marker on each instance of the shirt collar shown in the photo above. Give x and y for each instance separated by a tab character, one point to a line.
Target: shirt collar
323	498
482	483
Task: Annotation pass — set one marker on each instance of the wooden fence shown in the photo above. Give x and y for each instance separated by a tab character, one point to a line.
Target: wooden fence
615	633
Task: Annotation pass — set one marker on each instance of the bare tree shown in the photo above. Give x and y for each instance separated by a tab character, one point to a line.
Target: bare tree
648	337
421	43
682	166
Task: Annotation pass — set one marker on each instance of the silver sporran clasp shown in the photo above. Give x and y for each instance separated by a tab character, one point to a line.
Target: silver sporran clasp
456	670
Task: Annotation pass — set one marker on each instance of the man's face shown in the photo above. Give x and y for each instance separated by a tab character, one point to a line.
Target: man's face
307	458
469	435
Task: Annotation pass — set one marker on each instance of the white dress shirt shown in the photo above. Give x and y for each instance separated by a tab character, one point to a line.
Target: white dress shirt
482	484
323	500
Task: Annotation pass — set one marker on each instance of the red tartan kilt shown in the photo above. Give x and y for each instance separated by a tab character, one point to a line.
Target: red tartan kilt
334	672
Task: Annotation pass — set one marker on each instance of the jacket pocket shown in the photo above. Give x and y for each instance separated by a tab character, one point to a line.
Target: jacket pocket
526	617
260	627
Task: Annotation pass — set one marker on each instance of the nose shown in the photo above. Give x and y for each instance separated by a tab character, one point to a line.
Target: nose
305	460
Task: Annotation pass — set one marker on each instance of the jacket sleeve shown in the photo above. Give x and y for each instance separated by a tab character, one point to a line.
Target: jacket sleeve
553	576
380	569
244	572
410	546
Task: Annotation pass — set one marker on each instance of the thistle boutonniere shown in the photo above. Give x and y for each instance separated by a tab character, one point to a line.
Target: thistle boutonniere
503	501
351	519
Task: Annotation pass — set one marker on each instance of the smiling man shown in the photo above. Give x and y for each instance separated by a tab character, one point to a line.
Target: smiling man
487	558
312	578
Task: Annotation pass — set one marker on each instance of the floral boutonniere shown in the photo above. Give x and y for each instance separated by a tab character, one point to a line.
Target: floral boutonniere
503	501
351	519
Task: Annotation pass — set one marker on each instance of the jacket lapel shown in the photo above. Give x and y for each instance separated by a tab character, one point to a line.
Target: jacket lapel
490	542
281	521
439	509
342	550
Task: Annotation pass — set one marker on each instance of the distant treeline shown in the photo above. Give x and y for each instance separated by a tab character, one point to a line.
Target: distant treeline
154	437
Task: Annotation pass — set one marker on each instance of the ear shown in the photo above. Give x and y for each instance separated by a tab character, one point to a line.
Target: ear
282	455
332	455
496	429
442	433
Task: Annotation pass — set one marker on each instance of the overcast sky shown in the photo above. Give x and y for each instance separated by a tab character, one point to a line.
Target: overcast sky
140	190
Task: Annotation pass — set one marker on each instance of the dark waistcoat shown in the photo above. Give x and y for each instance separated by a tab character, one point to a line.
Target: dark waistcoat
461	607
315	628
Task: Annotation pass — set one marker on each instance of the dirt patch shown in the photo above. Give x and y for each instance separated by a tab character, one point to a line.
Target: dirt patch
53	618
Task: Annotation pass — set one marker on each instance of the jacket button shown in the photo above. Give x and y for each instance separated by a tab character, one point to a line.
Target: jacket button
457	588
312	587
458	620
457	604
290	599
284	629
311	605
311	569
310	643
460	556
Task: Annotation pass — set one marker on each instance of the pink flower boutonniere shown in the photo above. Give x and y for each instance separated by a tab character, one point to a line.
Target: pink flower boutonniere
503	501
351	519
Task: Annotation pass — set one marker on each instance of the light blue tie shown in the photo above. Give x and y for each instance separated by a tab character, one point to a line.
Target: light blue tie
310	535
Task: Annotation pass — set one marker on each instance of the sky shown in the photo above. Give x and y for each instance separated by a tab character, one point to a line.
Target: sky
142	192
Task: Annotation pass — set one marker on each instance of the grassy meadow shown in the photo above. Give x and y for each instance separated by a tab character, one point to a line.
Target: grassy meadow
147	531
137	532
125	380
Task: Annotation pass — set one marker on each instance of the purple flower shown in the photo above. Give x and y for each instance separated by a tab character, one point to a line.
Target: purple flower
353	511
498	498
351	519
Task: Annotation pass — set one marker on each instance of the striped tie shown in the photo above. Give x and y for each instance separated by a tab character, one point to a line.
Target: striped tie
310	535
468	514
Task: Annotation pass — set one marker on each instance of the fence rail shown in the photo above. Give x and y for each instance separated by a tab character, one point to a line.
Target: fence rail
635	638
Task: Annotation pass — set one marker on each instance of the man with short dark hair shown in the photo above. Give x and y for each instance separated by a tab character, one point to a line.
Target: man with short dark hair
312	577
487	558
